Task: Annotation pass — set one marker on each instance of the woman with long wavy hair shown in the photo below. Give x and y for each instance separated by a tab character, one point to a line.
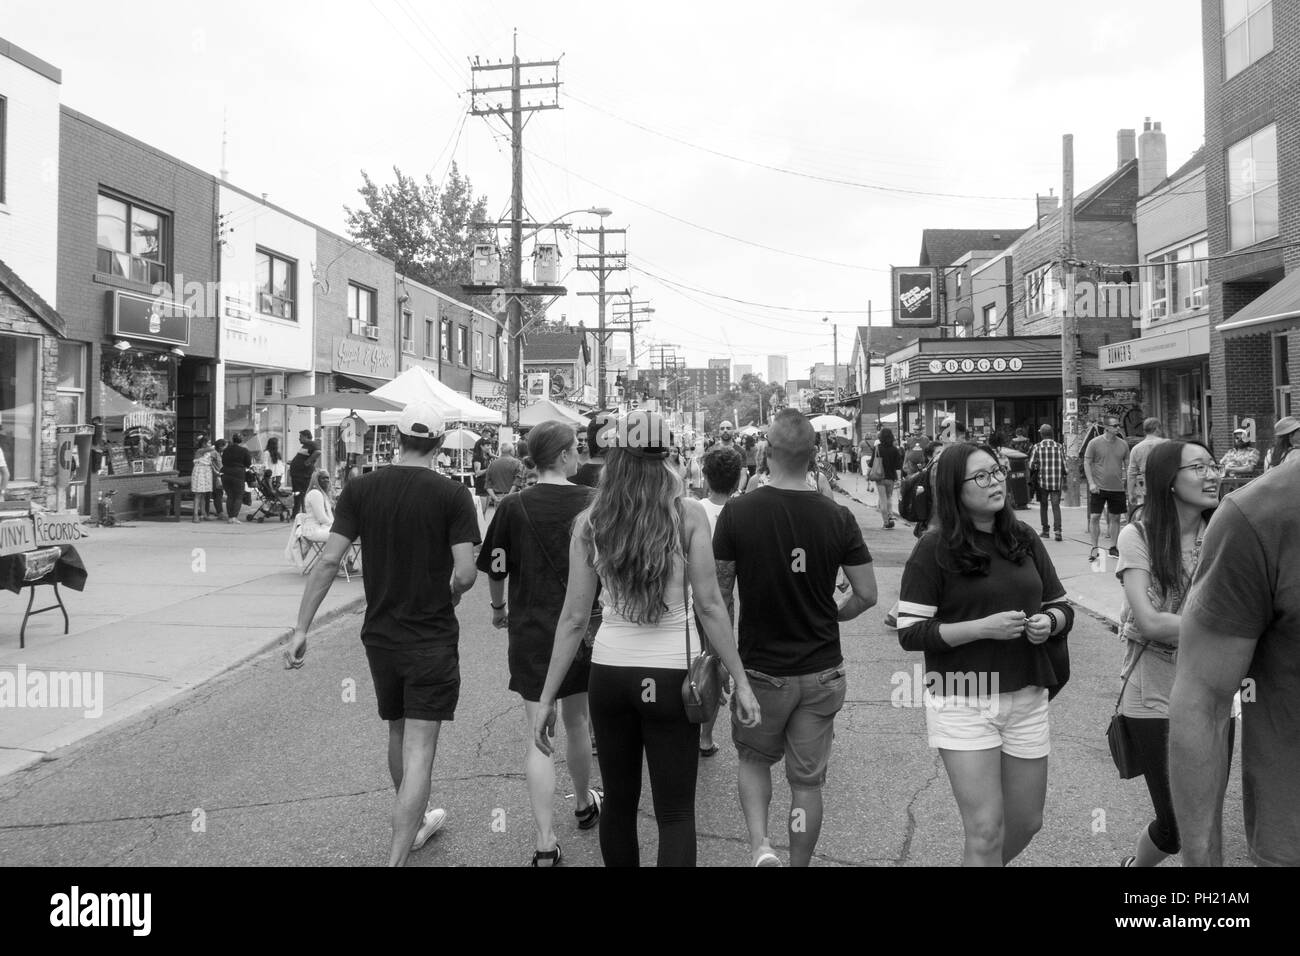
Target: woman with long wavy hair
645	546
1158	554
981	598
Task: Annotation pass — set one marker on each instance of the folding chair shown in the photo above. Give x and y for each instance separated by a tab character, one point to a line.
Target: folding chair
312	551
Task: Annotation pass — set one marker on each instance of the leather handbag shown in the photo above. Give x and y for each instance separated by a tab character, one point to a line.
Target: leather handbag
876	472
1123	748
702	686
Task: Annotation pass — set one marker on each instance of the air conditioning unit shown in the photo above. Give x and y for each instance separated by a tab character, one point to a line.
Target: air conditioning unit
485	267
408	345
372	332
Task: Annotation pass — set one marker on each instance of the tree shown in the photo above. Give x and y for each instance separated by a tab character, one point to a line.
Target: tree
741	404
427	231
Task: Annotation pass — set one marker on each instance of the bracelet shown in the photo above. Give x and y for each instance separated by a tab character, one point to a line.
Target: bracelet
496	607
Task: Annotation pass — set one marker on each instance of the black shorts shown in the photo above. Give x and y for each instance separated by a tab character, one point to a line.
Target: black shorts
1114	500
421	682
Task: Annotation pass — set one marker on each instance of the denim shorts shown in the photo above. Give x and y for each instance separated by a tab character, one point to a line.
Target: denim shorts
798	723
1015	722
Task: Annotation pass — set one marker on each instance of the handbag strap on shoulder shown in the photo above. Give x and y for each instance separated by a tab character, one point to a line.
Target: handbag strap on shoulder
686	582
1128	674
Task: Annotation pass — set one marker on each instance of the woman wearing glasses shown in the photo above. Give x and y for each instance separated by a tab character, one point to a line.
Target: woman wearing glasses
981	599
1158	553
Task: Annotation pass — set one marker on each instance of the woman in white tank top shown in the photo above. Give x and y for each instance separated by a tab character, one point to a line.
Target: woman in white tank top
630	540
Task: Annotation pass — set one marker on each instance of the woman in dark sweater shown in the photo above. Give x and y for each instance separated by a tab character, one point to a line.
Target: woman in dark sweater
981	598
891	467
235	462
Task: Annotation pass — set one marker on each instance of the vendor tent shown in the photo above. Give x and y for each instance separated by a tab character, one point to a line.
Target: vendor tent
545	410
418	385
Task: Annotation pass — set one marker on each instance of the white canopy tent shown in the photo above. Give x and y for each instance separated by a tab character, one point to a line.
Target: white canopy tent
417	384
545	410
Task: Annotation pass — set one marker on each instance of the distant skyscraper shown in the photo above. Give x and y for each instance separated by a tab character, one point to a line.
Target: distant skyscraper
776	368
741	372
720	363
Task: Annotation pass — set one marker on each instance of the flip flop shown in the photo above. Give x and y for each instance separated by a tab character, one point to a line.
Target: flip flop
767	858
709	751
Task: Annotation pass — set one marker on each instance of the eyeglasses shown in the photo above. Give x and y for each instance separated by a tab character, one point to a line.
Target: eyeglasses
1202	468
983	479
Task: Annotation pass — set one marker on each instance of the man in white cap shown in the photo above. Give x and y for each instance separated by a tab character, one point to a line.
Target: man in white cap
418	530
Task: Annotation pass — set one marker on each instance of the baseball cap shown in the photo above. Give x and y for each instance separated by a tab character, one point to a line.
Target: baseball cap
421	420
1240	431
641	433
1286	426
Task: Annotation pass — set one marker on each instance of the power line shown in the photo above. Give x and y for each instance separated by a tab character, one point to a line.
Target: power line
856	184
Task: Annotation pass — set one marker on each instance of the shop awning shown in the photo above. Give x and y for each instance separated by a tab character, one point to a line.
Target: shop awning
1277	310
359	381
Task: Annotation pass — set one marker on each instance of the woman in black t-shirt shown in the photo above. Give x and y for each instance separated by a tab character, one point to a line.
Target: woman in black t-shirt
891	467
528	542
235	462
981	598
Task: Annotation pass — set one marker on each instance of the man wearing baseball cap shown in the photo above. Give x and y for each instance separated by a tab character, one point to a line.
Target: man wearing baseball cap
418	530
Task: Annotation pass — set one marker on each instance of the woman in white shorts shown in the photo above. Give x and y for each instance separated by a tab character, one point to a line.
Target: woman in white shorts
981	598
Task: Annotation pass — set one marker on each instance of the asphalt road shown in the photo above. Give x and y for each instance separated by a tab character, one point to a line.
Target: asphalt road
265	766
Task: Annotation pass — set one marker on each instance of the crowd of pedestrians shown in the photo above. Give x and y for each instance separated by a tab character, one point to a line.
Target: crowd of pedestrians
760	569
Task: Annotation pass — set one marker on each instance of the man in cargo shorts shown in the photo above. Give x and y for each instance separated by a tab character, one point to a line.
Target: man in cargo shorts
783	544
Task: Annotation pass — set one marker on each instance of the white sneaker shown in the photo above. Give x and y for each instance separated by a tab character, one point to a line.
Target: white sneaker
434	818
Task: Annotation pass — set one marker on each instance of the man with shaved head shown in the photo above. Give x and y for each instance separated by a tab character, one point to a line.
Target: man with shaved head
783	545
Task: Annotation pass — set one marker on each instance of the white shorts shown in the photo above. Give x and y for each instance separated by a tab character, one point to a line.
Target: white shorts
1016	722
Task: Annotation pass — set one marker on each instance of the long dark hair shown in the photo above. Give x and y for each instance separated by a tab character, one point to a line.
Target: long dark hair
887	438
273	450
1159	515
958	550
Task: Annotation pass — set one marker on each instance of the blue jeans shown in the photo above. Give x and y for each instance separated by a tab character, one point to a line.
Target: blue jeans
1043	495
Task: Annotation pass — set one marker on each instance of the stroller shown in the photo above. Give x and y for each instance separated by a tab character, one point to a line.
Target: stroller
274	501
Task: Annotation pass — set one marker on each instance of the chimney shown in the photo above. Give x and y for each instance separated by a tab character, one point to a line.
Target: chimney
1046	206
1127	146
1153	159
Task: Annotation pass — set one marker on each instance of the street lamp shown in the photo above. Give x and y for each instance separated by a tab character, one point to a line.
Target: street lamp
514	313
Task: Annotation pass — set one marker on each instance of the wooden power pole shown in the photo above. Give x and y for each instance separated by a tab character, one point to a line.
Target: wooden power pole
1071	426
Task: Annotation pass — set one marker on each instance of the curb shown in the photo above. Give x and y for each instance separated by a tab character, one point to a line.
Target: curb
128	720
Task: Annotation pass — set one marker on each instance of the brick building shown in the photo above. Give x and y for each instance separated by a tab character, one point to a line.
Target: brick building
137	265
1252	195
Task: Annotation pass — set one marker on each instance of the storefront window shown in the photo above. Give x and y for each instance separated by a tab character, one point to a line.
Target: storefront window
19	435
979	419
70	405
137	400
247	392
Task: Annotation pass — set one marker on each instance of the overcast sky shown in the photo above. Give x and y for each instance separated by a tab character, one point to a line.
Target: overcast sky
904	101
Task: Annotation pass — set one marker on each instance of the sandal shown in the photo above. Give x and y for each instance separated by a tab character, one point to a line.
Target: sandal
555	856
1094	554
588	817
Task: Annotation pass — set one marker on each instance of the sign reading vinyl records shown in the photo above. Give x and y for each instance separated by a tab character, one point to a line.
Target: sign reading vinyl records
914	291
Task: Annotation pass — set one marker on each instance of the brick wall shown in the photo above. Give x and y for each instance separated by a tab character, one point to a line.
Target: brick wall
15	318
1267	91
348	263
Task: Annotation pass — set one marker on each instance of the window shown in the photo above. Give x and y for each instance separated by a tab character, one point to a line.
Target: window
430	342
361	309
20	400
70	404
408	332
504	354
991	320
478	349
445	348
277	283
131	241
462	345
1247	33
1040	291
137	399
1252	188
1282	403
491	354
4	128
959	277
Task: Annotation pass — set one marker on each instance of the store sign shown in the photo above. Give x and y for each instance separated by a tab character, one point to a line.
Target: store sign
969	366
16	536
901	371
1151	349
355	357
52	529
914	298
147	317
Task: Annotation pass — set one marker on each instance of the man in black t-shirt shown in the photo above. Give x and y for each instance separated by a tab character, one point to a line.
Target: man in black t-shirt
783	545
418	530
598	437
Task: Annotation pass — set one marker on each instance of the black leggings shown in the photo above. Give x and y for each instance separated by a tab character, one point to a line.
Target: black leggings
1151	734
628	724
233	485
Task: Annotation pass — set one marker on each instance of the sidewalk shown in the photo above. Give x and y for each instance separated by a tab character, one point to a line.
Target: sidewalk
1093	588
166	607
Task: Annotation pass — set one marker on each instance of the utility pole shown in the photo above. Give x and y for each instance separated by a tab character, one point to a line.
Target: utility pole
633	310
1069	328
617	263
517	109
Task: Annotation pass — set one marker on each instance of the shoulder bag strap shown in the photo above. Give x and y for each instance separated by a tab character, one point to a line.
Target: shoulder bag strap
686	583
1127	675
564	581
